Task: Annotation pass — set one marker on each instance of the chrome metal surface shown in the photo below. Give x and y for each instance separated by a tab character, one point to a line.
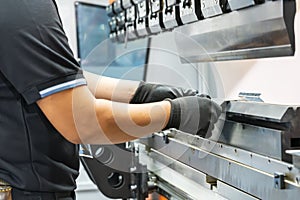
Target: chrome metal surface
238	4
296	157
246	96
113	37
188	10
121	26
270	112
232	193
279	181
142	19
155	5
131	14
141	27
109	10
131	32
142	8
169	17
155	16
130	22
178	180
117	6
121	20
248	158
264	30
121	35
170	3
266	129
126	4
259	140
237	168
154	26
137	1
211	8
158	163
112	24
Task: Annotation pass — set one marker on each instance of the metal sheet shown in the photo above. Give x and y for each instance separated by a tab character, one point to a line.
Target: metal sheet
264	30
256	161
181	185
238	4
270	112
266	129
256	139
236	174
232	193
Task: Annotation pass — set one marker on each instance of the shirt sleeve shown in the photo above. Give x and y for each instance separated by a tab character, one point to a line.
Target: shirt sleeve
35	56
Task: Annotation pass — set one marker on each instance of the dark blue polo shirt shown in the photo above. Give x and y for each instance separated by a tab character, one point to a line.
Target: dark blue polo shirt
35	62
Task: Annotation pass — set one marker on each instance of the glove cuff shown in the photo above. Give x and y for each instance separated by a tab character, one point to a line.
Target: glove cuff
175	115
139	93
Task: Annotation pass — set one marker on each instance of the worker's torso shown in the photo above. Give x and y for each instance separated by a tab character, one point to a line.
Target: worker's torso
33	155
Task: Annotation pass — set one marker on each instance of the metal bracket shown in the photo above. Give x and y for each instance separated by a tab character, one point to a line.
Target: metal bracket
250	96
116	171
296	157
279	180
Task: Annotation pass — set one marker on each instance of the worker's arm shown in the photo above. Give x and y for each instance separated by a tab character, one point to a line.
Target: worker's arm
103	87
81	118
133	91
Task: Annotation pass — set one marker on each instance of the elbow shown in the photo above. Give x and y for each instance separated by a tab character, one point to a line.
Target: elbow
73	138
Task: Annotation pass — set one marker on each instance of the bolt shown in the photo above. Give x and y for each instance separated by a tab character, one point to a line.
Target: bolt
133	187
132	169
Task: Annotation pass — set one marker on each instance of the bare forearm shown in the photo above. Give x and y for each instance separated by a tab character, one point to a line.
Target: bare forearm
110	88
124	122
81	118
100	121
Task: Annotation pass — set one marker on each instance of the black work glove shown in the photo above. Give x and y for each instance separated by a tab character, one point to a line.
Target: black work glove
194	115
148	92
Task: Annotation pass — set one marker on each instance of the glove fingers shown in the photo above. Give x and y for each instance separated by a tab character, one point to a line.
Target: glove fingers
190	118
204	96
194	115
209	116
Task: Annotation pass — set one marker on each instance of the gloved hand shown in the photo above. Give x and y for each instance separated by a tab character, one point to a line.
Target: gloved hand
193	114
147	93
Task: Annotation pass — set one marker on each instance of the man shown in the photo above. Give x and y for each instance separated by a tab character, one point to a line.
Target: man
48	105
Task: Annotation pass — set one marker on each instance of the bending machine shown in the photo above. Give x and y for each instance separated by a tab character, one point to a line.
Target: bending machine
254	156
253	151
